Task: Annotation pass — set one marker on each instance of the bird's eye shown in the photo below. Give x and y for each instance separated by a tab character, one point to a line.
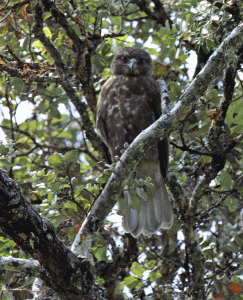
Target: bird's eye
141	61
124	59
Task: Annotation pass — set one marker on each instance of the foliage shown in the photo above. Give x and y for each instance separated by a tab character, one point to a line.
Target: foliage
54	58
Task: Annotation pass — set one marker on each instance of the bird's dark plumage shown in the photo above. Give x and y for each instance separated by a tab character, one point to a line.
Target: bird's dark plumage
128	103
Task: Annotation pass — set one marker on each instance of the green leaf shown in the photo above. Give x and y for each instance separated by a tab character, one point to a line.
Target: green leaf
38	44
54	112
137	269
229	116
188	17
3	149
238	119
210	44
238	108
57	120
70	205
132	282
232	204
239	239
154	275
3	30
47	15
100	253
71	157
175	91
104	176
74	170
65	134
56	160
151	264
225	180
238	129
106	49
47	32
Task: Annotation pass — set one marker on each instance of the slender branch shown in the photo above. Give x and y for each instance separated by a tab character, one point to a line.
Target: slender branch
158	14
192	151
14	72
218	203
113	272
61	19
21	265
84	50
44	145
217	132
65	82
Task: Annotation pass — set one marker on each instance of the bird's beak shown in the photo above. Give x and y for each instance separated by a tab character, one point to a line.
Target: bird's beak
133	64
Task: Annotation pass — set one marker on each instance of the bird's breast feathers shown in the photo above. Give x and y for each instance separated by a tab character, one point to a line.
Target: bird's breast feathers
126	106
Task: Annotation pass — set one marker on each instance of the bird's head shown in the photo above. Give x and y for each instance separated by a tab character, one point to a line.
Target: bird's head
131	61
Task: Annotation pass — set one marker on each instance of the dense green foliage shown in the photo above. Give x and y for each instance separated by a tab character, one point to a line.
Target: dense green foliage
54	58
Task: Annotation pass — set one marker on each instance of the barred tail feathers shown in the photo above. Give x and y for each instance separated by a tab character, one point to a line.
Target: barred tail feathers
155	210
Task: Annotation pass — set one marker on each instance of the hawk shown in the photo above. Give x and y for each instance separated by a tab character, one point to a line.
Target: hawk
128	103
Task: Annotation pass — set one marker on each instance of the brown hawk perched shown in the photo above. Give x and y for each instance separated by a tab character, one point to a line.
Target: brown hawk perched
128	103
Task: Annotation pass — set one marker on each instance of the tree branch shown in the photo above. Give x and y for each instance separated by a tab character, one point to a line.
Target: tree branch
68	275
65	82
22	265
158	14
28	75
216	133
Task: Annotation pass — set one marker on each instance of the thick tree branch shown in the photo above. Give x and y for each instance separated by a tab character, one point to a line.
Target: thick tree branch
197	269
182	202
69	276
37	289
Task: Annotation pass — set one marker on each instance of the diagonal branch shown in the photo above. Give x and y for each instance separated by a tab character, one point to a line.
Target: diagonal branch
65	82
69	276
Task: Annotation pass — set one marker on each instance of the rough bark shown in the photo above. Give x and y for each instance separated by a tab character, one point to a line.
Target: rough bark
63	271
